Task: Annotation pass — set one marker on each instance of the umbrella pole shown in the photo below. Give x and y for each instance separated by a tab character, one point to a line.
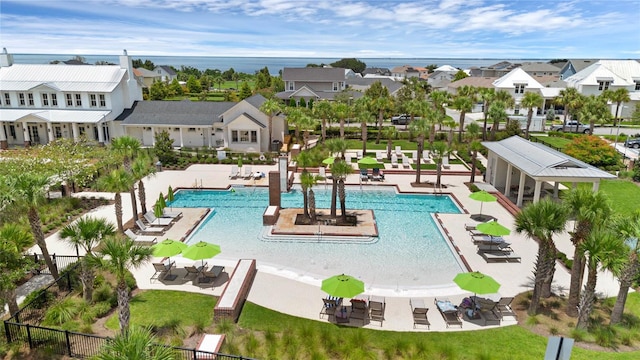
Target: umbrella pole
481	203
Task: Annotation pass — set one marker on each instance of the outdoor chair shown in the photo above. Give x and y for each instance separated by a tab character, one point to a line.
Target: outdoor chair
445	162
359	154
503	307
394	161
171	214
398	150
141	239
194	270
470	227
449	312
360	310
153	220
498	256
405	162
487	310
377	175
419	311
234	172
161	269
329	307
212	274
376	308
364	175
149	229
379	156
247	172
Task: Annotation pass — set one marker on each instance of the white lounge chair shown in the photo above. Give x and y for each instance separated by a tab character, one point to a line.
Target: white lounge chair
347	158
379	156
405	162
153	220
445	162
234	172
426	156
149	229
247	172
171	214
414	156
359	154
399	150
148	239
394	160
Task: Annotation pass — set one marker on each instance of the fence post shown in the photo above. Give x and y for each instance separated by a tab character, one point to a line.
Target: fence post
66	335
29	336
195	354
7	333
68	277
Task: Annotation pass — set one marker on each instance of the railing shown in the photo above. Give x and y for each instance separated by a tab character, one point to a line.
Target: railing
60	261
77	345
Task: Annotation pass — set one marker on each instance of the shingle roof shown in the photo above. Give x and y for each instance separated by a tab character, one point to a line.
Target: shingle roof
167	69
476	81
538	160
186	113
94	78
256	100
313	74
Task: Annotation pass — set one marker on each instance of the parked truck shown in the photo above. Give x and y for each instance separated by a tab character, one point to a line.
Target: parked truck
572	126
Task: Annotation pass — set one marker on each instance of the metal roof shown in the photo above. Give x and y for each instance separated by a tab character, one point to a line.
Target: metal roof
174	113
537	160
94	78
54	116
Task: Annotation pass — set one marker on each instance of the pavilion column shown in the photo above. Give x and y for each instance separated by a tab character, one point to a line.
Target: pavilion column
49	132
536	191
3	137
181	140
75	132
521	189
209	132
153	136
100	134
596	186
25	132
507	186
556	186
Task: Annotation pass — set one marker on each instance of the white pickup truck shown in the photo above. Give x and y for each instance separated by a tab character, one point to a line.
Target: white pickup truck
572	126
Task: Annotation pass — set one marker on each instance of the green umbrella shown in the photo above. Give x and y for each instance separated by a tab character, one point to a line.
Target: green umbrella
240	162
170	196
477	282
483	197
492	228
168	248
328	161
368	162
158	209
162	201
343	286
200	251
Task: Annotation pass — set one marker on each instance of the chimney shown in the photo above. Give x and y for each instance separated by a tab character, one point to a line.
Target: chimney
6	59
133	90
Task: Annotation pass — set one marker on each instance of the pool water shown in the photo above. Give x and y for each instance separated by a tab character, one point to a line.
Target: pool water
410	252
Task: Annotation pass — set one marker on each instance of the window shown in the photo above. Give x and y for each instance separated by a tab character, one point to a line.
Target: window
603	85
254	136
30	97
69	100
234	136
192	129
81	130
92	100
520	88
290	85
335	86
58	132
54	100
12	131
244	136
45	99
103	102
78	100
636	89
7	99
21	99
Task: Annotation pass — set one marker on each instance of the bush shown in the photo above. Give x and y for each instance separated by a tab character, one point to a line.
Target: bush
103	293
39	298
62	312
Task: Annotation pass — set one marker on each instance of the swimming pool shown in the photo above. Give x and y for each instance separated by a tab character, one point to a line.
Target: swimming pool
410	253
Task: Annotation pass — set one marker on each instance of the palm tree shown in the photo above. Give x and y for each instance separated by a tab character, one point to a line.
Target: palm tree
497	113
604	249
137	343
87	232
305	159
475	146
440	98
29	192
390	132
117	181
589	209
342	111
271	107
382	104
323	110
617	96
487	95
565	98
307	124
531	100
118	256
294	117
340	170
13	264
628	228
128	147
363	115
540	221
421	128
338	147
594	109
142	167
464	104
438	151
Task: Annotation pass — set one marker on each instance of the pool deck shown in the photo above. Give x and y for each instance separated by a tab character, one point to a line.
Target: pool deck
302	296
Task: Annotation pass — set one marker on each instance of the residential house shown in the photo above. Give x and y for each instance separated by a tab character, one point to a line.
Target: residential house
440	79
41	103
541	69
517	82
475	81
165	73
148	77
314	83
575	65
405	72
362	84
496	70
376	71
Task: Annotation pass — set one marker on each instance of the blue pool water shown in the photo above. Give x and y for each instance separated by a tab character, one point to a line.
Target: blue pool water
410	252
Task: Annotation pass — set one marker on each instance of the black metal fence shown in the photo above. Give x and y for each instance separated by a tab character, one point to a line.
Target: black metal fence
77	345
60	261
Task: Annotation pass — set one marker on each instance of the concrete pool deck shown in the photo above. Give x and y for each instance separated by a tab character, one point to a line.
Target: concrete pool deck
299	296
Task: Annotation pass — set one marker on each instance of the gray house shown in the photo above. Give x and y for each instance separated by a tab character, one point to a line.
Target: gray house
313	83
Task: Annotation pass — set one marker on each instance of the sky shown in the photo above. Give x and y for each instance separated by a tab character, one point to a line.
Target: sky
540	29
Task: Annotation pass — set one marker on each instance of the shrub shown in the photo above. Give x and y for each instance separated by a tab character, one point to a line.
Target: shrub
594	151
104	292
578	334
62	312
39	298
605	336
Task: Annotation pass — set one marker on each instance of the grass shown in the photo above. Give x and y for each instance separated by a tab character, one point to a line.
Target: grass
553	141
624	194
157	308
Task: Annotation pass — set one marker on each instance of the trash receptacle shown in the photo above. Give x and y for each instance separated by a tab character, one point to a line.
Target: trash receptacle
276	145
159	166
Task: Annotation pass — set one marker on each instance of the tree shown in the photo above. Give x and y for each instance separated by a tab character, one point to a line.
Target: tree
460	75
487	95
603	249
193	85
142	167
163	147
137	343
340	170
305	159
86	233
158	91
421	128
350	63
628	228
541	221
341	111
379	101
464	104
589	209
323	110
440	98
567	97
13	264
438	151
497	113
271	107
594	151
337	147
174	88
594	109
127	148
29	192
245	91
364	116
219	80
531	100
118	256
618	96
475	146
117	181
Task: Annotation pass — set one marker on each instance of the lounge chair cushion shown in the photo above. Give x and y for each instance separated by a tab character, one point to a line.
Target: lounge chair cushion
446	306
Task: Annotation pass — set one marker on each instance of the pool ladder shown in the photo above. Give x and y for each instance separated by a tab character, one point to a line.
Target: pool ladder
196	186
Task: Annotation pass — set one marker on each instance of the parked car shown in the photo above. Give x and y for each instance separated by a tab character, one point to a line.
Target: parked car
403	119
572	126
633	143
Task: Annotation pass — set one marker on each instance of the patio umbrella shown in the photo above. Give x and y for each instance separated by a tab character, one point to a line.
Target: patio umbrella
162	201
170	196
158	209
476	282
483	197
493	228
328	161
368	162
200	251
168	248
343	286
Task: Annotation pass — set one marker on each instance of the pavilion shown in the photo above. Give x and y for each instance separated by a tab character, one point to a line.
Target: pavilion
518	165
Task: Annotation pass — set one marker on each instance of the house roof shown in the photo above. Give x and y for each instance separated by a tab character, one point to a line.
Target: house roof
174	113
94	78
539	67
366	82
375	70
404	69
517	76
475	81
55	116
316	74
594	73
537	160
256	100
321	95
256	121
144	72
167	69
580	64
446	68
626	69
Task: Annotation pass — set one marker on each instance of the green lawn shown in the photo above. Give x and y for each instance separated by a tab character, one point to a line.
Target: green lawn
624	194
155	307
553	141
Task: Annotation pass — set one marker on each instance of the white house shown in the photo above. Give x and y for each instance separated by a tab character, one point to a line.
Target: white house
40	103
517	82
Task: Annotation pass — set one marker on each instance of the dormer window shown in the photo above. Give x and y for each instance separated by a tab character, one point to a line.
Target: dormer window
603	85
637	88
519	88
